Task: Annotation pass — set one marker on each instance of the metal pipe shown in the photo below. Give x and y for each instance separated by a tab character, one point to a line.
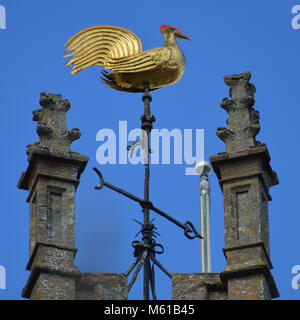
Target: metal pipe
204	170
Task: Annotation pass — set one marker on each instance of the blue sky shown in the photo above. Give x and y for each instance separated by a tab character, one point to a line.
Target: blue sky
227	37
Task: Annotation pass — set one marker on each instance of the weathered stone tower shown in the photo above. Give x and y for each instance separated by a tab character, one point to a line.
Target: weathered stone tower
52	178
245	176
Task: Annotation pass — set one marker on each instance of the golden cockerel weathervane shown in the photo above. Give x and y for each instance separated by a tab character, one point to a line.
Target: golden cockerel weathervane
120	50
135	70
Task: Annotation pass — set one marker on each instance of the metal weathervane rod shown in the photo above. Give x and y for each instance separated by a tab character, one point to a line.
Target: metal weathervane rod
120	51
147	121
145	250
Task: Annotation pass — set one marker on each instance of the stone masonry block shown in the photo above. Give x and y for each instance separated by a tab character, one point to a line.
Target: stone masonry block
197	286
102	286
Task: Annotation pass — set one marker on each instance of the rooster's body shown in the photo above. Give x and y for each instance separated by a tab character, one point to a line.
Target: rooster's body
120	51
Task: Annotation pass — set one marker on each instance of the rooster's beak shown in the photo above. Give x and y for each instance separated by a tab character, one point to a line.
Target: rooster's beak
182	36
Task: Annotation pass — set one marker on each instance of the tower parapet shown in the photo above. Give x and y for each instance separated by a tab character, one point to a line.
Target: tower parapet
52	178
245	177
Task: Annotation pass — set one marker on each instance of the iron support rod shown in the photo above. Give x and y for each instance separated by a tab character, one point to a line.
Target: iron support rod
144	203
146	238
145	251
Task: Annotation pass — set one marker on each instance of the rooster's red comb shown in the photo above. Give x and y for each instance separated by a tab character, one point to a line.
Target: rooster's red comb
165	26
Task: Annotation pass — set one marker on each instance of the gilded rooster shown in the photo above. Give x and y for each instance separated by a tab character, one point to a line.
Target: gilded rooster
120	50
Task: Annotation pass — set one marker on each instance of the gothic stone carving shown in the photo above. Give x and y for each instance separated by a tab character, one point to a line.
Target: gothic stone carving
52	126
243	119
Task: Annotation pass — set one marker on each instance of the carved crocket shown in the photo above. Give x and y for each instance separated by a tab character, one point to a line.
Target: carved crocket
52	127
243	119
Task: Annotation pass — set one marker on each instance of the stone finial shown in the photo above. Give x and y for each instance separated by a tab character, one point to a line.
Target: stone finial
52	127
243	119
